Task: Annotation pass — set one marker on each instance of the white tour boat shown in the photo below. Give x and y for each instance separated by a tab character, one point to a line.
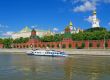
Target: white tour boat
46	53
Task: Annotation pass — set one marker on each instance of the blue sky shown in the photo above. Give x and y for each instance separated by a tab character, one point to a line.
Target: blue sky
51	14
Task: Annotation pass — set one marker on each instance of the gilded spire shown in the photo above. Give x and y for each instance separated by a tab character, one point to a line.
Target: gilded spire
71	24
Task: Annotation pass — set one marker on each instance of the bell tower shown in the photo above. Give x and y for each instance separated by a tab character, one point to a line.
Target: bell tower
95	21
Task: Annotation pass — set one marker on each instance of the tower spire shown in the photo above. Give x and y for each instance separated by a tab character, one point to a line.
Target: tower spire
71	25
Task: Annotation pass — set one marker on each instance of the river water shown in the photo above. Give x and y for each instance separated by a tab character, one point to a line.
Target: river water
75	67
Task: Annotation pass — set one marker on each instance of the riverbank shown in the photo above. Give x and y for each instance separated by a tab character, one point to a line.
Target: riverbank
68	51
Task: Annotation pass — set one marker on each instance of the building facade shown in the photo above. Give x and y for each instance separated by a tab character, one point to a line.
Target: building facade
26	32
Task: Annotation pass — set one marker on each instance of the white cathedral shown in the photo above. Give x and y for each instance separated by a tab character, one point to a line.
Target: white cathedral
95	21
74	29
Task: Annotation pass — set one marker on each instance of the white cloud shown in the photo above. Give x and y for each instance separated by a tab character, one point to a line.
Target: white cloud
9	33
34	26
87	6
55	29
3	26
93	1
109	23
89	19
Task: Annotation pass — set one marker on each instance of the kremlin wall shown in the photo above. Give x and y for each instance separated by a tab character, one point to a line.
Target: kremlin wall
67	42
1	45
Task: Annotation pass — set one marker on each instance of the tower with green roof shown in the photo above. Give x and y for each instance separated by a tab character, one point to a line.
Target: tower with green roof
67	34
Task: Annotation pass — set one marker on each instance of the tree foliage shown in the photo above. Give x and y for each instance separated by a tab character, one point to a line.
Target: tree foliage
7	42
52	38
98	34
95	29
83	45
21	40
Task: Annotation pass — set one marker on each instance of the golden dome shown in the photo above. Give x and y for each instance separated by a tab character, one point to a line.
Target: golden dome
94	12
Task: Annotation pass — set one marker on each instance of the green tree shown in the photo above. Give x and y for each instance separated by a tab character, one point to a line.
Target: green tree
1	41
58	37
83	45
95	29
7	42
52	38
92	34
21	40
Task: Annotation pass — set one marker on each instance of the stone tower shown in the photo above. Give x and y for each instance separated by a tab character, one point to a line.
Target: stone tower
67	34
33	34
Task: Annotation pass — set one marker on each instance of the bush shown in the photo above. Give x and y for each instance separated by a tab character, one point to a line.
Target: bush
63	46
48	45
58	46
106	44
70	45
76	45
43	45
53	46
98	45
83	45
90	45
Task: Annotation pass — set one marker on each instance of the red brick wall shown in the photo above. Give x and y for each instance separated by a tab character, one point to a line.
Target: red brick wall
1	45
37	43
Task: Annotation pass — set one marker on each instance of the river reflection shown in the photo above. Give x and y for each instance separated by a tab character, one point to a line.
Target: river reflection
77	67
